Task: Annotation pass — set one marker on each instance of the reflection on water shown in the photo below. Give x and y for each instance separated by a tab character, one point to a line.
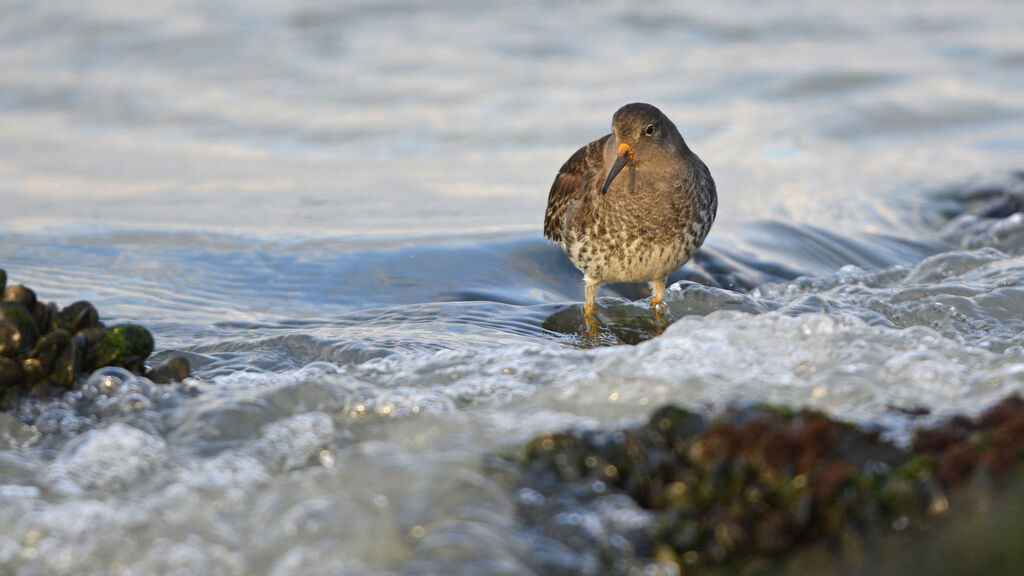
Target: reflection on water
334	213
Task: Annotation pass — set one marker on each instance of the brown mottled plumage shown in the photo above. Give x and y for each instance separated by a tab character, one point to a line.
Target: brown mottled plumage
640	225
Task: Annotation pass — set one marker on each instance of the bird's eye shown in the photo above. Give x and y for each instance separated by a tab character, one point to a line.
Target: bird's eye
650	129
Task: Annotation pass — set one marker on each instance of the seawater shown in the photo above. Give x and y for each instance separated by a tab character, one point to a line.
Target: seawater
335	212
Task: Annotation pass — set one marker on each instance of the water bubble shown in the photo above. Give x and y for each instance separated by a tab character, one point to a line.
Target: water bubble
850	274
75	425
135	402
136	385
72	398
326	458
89	391
104	406
51	421
107	379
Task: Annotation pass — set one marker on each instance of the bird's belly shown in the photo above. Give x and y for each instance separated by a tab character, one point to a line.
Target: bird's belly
622	258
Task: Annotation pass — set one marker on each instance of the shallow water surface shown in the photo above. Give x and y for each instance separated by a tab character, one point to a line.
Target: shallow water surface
335	213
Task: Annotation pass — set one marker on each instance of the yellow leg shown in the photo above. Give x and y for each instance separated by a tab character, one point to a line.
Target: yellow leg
589	312
590	318
657	293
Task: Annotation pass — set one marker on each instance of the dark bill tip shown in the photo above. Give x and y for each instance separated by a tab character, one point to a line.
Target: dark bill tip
624	156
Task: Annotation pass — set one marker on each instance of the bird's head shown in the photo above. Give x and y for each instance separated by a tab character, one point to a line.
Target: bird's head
640	133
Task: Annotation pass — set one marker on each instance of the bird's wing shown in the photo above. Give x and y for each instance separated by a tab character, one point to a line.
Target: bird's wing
578	172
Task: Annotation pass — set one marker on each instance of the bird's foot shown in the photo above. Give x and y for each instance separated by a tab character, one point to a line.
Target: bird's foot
661	318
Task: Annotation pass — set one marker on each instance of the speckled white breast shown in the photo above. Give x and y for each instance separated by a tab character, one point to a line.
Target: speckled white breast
626	257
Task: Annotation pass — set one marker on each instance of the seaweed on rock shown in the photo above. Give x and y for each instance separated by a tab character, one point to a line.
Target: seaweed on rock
755	485
45	350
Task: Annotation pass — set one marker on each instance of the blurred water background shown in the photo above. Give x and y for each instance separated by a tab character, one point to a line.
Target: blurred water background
334	210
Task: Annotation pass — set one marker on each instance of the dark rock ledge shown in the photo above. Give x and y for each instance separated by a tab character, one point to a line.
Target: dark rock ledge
754	489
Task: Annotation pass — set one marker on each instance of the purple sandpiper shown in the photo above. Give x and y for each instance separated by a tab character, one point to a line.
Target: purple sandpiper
637	228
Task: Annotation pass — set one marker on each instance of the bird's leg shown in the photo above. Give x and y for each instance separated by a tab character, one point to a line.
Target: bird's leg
658	299
657	293
589	313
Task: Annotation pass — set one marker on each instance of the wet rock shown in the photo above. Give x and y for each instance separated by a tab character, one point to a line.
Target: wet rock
11	378
22	294
44	349
994	203
53	358
173	369
626	323
10	339
126	345
66	366
91	336
756	484
78	316
11	373
18	316
993	200
45	315
961	447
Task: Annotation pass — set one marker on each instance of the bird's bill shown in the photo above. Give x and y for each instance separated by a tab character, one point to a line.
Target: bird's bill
624	156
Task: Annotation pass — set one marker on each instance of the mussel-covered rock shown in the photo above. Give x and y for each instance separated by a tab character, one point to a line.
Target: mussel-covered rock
11	373
18	316
126	345
11	378
10	339
44	349
45	315
22	294
78	316
90	336
55	359
733	495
